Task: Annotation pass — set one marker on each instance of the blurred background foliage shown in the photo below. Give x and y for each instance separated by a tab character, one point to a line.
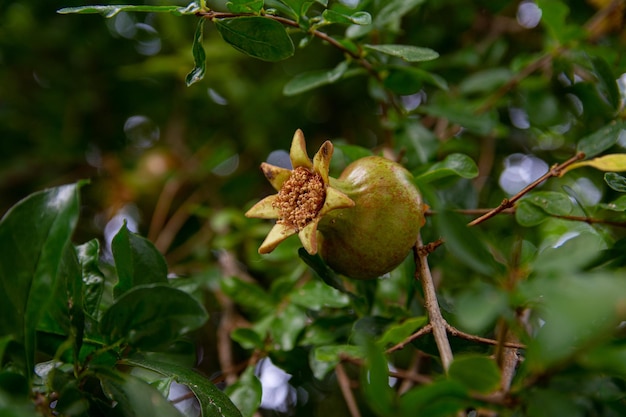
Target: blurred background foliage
105	99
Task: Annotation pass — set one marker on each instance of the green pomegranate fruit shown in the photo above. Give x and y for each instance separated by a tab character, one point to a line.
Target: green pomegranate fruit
373	237
363	223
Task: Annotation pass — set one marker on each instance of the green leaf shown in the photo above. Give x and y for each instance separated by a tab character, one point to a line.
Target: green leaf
408	53
246	392
65	314
34	235
485	81
602	139
299	8
607	359
152	316
462	113
134	396
353	152
315	295
572	255
476	373
396	333
615	181
607	81
248	294
357	18
137	261
309	80
323	359
553	16
322	270
403	80
287	325
247	338
199	56
214	403
442	398
479	307
258	37
93	279
619	204
454	164
393	11
375	381
112	10
538	206
466	244
245	6
578	310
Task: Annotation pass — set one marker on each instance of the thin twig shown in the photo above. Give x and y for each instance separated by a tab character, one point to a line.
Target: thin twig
421	332
511	210
555	171
210	14
344	385
432	306
473	338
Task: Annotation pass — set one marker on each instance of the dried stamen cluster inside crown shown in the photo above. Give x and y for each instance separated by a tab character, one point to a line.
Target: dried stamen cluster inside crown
300	198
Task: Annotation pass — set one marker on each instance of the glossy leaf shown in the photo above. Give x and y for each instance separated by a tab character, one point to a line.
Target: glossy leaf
442	398
396	333
615	181
199	56
152	316
408	53
93	279
455	164
137	261
245	6
358	18
538	206
65	314
258	37
246	392
476	373
310	80
315	295
113	10
602	139
34	235
214	403
136	397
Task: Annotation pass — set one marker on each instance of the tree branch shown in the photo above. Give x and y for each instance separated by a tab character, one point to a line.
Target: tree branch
555	171
437	321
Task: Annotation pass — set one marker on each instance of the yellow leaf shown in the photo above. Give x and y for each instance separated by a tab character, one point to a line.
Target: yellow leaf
610	163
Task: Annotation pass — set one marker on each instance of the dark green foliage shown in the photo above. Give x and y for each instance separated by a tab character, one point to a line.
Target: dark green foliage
459	92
